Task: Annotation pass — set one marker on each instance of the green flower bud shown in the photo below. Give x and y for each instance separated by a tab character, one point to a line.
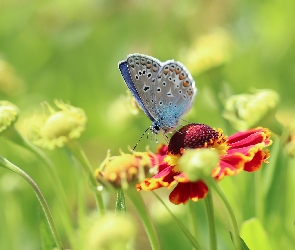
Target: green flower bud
59	127
110	232
198	163
8	115
248	110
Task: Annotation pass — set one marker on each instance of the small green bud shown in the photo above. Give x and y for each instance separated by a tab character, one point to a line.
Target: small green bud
246	111
110	232
8	115
198	163
59	127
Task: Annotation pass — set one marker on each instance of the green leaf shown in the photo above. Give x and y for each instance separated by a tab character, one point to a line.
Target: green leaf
254	235
242	242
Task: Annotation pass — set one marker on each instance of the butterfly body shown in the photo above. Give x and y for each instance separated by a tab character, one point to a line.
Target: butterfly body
165	91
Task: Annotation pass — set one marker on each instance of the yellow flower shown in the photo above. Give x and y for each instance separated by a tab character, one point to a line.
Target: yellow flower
125	169
246	111
59	127
8	115
110	232
10	83
209	51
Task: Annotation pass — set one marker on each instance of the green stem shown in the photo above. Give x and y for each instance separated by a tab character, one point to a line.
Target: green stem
138	202
79	154
192	219
13	135
6	164
236	237
120	203
211	222
182	227
259	197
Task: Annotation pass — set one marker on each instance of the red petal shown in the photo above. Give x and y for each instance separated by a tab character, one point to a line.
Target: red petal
256	161
229	165
185	191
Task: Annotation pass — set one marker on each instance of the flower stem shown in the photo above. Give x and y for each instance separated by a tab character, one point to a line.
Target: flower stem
79	154
6	164
189	236
259	197
120	203
211	222
236	237
192	219
138	202
14	136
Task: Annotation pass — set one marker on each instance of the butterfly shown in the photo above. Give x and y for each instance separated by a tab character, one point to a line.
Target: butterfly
164	90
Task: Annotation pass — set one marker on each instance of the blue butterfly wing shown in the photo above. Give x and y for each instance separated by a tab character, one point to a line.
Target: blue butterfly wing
174	95
125	72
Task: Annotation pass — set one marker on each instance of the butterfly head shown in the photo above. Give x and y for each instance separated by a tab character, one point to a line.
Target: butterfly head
157	128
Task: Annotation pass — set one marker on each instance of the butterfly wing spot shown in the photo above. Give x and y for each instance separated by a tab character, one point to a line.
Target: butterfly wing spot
172	67
148	64
143	61
158	89
139	72
185	83
154	79
177	71
166	70
164	83
136	59
190	93
146	88
143	72
149	75
170	78
136	77
184	96
169	94
181	76
160	103
180	91
170	104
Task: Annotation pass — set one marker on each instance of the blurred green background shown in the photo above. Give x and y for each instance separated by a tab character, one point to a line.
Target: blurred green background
70	50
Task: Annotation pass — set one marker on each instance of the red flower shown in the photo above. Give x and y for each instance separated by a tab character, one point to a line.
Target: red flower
241	151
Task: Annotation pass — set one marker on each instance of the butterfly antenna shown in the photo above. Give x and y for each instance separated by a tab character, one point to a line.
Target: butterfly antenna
166	139
140	139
